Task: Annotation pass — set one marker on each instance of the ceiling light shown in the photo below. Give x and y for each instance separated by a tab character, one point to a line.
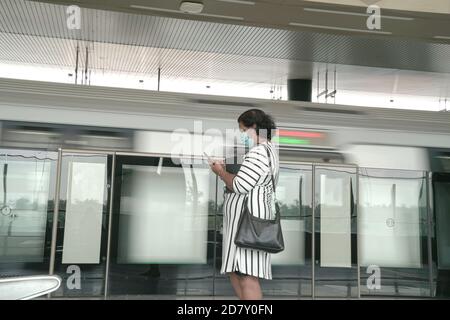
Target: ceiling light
153	8
177	11
442	37
252	3
191	7
220	16
355	14
336	28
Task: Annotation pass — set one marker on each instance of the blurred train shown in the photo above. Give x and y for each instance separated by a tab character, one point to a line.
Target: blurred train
50	115
403	144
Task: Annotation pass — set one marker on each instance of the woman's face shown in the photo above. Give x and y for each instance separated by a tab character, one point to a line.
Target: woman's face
250	131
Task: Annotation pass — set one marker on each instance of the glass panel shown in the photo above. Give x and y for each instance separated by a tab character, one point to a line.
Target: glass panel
335	221
86	192
393	232
291	268
222	285
335	232
26	193
163	228
82	225
168	215
441	242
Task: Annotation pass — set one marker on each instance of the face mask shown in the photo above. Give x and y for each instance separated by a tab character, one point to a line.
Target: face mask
246	140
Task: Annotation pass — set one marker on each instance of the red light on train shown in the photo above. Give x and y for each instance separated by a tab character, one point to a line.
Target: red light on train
300	134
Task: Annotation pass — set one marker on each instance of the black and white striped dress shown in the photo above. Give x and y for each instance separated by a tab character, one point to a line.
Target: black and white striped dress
253	179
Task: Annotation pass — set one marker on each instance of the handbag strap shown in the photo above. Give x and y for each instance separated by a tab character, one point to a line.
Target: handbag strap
270	168
277	213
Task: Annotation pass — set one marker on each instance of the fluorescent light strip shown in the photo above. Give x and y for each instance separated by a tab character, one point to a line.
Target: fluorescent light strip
442	37
252	3
178	11
220	16
336	28
153	8
356	14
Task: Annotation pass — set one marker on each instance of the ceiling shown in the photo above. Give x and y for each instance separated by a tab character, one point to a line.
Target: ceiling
262	48
413	19
37	19
176	63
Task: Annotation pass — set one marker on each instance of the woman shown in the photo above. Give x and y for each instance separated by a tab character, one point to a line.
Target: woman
246	266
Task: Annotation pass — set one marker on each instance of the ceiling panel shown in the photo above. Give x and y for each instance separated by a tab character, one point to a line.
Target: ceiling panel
48	20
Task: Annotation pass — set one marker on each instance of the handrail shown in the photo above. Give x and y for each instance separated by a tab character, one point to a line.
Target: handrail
28	287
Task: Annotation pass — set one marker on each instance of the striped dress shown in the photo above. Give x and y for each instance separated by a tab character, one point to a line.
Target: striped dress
254	180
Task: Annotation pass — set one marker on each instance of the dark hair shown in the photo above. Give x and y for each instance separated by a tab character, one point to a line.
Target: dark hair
262	120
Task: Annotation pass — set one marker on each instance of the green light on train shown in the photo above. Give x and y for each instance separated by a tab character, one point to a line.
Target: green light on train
288	140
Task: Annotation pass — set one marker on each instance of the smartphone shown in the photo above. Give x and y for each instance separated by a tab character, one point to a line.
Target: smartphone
207	156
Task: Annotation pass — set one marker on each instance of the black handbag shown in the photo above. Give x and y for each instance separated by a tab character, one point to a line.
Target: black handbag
257	233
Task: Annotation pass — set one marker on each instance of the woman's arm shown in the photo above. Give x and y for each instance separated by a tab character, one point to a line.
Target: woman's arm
219	169
227	178
254	166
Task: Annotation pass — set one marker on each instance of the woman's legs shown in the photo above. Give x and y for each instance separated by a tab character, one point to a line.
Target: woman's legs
235	282
250	288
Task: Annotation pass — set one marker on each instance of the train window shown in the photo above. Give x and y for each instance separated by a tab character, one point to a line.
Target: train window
445	163
392	227
390	218
441	241
163	214
439	160
442	205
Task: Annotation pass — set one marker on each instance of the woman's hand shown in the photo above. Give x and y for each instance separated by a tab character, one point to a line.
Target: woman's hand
217	166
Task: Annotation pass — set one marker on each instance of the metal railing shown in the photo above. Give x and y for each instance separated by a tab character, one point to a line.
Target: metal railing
26	288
